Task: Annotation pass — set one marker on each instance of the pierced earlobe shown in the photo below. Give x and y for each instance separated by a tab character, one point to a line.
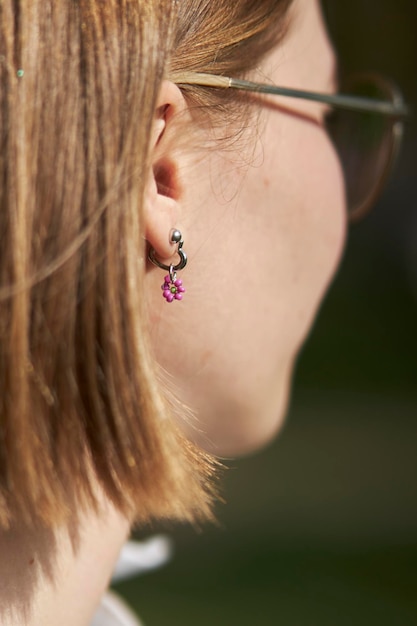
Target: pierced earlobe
172	288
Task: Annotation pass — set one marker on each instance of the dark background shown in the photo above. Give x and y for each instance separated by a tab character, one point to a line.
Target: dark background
321	528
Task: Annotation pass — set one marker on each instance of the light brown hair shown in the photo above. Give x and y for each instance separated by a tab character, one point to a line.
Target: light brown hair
79	390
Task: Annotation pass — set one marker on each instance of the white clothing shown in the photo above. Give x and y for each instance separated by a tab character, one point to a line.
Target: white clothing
114	612
136	557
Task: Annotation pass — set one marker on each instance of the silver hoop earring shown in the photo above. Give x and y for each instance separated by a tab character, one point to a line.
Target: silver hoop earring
172	288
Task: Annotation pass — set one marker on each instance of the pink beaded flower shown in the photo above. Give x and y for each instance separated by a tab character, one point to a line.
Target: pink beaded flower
172	289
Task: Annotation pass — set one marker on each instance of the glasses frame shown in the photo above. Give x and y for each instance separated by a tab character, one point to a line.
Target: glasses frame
395	109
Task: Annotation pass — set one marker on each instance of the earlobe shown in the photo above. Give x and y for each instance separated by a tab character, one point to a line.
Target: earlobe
163	190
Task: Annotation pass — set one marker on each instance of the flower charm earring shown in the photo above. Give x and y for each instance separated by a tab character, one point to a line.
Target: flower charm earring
172	288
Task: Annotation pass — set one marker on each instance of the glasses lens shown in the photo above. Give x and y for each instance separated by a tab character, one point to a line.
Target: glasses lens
366	144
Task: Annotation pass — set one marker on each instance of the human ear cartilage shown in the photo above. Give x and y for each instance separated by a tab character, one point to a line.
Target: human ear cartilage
172	288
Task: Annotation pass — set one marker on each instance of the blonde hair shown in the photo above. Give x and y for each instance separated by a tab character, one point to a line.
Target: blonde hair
80	399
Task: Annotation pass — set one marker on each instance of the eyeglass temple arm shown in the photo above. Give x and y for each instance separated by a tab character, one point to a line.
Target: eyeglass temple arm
353	103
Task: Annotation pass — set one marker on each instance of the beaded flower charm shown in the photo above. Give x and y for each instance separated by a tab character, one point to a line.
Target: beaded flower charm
172	288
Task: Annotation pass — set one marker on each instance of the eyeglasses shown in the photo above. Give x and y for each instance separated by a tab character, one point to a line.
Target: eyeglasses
366	128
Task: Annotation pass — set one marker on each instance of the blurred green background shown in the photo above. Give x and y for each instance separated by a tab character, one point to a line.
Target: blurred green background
321	528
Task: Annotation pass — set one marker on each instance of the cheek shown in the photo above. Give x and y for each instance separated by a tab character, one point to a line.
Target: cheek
322	211
300	195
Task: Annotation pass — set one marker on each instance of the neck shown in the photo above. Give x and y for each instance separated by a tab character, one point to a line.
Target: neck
58	577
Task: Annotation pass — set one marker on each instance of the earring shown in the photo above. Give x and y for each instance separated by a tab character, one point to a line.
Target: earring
172	288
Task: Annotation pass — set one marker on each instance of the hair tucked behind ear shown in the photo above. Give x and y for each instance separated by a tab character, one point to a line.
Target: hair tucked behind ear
225	38
80	399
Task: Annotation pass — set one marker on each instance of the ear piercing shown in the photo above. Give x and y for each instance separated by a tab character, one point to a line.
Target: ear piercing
172	288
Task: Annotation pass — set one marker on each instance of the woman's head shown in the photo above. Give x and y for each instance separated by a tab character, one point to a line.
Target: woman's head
94	169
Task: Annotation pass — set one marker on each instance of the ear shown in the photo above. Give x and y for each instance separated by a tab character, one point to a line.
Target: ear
163	189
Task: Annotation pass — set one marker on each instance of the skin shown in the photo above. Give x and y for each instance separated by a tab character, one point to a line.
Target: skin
264	228
49	578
